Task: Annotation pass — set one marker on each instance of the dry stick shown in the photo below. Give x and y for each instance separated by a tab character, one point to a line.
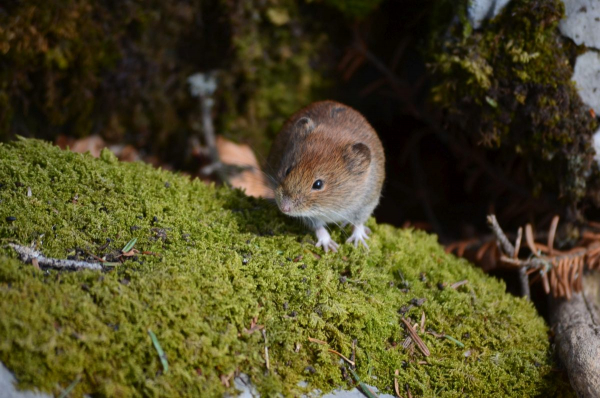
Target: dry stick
511	252
552	233
313	340
27	255
573	273
458	284
396	386
507	247
529	239
354	350
518	242
264	333
545	281
415	337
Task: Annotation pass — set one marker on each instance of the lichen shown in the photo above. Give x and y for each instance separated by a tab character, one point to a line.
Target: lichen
211	260
508	86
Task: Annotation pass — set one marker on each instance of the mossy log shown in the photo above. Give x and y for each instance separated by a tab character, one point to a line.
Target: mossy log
577	327
214	270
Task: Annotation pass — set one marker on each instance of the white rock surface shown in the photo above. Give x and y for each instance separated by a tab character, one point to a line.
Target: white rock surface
596	144
587	79
242	383
480	10
582	22
247	390
8	390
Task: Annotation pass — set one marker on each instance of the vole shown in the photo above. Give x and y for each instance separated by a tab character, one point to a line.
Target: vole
327	165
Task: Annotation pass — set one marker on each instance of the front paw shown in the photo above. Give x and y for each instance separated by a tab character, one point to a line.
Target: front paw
325	241
359	234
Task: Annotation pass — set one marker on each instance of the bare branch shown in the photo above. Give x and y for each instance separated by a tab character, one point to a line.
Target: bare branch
28	255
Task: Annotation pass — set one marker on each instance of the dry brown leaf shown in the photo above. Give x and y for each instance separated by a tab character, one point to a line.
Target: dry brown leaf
251	180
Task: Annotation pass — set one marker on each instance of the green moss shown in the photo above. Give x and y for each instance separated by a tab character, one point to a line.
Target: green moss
508	86
222	259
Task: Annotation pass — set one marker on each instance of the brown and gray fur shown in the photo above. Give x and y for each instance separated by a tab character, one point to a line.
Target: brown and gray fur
335	143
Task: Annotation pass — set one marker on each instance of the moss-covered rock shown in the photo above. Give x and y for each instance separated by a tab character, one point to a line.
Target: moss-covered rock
211	261
508	86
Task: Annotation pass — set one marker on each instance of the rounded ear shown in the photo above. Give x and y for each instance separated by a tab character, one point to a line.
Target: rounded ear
336	110
358	158
305	125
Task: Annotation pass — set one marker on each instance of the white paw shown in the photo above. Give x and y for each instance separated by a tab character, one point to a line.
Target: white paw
325	241
359	234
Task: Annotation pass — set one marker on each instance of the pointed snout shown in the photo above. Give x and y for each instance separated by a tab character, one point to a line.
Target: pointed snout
285	205
285	202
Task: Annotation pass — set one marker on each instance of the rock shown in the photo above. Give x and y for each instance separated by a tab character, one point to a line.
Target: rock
8	390
582	22
596	143
480	10
587	78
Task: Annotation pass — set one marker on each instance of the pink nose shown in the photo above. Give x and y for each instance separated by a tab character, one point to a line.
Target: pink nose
285	205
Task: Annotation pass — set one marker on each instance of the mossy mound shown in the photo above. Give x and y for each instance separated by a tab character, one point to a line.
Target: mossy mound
219	261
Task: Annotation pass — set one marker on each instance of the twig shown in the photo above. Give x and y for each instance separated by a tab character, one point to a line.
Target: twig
264	333
458	284
351	362
513	251
353	351
27	255
161	354
518	242
396	386
413	334
552	234
507	247
313	340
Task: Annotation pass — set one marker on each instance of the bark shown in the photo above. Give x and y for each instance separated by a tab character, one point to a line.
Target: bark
576	323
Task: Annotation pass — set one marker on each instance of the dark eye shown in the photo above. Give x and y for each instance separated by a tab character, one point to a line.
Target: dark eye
318	185
287	172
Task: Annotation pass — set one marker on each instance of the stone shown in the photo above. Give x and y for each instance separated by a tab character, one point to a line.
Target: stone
481	10
582	22
587	78
8	390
